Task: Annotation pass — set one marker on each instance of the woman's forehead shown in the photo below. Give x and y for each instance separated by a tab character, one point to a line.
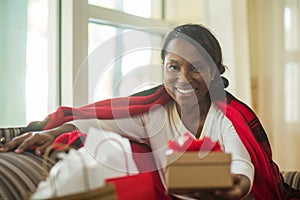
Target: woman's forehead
184	49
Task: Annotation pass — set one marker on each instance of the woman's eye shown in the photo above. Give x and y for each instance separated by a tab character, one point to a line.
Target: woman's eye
195	69
172	68
198	68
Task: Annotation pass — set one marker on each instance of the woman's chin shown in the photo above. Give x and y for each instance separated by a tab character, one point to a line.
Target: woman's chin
186	100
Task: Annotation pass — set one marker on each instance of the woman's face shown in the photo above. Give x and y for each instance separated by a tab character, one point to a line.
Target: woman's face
187	73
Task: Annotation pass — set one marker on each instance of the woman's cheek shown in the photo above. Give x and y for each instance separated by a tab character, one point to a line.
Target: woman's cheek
169	82
169	77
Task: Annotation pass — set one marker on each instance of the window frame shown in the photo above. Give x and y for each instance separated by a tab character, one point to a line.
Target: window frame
74	41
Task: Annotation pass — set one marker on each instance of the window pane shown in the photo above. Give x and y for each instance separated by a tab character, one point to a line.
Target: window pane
141	8
141	67
37	61
122	62
100	38
23	61
291	22
98	34
292	92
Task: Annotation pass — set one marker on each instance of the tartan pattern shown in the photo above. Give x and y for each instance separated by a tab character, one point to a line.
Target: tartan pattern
288	183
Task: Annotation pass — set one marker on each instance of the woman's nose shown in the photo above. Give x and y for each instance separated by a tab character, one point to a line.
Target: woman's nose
184	76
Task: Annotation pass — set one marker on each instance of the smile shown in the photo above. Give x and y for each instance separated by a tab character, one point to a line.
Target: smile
185	91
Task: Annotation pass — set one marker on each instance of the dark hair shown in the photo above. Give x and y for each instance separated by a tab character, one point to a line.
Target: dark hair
204	38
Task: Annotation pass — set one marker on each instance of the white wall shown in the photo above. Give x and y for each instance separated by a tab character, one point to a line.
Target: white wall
228	21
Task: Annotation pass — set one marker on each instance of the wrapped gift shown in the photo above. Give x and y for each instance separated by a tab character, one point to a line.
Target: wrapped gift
197	165
107	192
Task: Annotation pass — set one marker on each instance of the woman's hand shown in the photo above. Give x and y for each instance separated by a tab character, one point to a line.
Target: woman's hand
240	188
40	139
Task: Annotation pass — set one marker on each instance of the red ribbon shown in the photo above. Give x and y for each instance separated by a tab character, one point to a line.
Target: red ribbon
188	143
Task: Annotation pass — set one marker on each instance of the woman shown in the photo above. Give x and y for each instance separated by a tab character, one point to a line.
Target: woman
192	100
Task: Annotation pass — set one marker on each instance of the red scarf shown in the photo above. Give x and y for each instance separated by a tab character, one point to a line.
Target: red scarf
268	183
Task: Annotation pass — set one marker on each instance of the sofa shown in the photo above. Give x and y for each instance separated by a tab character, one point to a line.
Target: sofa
21	173
38	171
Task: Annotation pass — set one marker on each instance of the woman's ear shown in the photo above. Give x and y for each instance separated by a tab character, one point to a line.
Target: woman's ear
213	72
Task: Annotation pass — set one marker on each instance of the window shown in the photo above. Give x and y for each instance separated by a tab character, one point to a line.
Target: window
110	46
26	77
292	60
145	8
130	61
36	61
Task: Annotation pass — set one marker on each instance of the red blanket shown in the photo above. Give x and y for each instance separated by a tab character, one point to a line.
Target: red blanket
268	183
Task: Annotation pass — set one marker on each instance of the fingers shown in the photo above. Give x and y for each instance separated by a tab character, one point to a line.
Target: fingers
40	139
42	148
16	141
236	178
28	142
236	192
207	195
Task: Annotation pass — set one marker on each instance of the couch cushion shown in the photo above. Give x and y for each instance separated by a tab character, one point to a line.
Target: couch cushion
292	178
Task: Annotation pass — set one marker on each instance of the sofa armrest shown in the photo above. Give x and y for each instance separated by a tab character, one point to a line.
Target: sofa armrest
6	134
292	178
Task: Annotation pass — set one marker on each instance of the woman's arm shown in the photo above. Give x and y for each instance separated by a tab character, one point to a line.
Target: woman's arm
41	139
131	127
242	168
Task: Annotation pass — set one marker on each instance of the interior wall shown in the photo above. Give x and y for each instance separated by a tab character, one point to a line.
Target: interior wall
181	12
266	24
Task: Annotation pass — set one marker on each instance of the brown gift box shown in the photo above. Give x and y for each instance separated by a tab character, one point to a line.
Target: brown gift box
108	192
198	170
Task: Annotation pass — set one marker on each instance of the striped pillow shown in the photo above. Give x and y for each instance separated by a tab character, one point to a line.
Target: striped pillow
21	173
292	178
6	134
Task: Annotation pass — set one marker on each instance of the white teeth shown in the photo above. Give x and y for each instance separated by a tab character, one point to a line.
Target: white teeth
185	91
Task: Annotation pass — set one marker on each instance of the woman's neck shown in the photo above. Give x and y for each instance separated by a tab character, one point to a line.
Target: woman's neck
201	108
193	117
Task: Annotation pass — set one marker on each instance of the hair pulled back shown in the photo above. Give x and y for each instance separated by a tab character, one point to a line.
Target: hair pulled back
206	40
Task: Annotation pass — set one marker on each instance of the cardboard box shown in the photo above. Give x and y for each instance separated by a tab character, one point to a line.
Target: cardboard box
108	192
190	171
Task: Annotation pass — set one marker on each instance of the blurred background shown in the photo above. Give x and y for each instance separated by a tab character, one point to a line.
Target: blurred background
51	52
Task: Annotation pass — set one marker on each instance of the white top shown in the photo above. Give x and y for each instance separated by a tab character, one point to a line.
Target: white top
162	123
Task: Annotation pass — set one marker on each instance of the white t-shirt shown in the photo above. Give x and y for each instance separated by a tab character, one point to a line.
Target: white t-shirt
162	123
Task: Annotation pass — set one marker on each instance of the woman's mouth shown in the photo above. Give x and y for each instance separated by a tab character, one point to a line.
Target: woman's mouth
185	92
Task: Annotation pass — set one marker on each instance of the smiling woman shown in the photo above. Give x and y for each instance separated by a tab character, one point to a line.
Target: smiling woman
192	100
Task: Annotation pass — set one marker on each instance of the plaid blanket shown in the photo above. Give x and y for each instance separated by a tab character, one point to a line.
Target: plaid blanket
268	182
